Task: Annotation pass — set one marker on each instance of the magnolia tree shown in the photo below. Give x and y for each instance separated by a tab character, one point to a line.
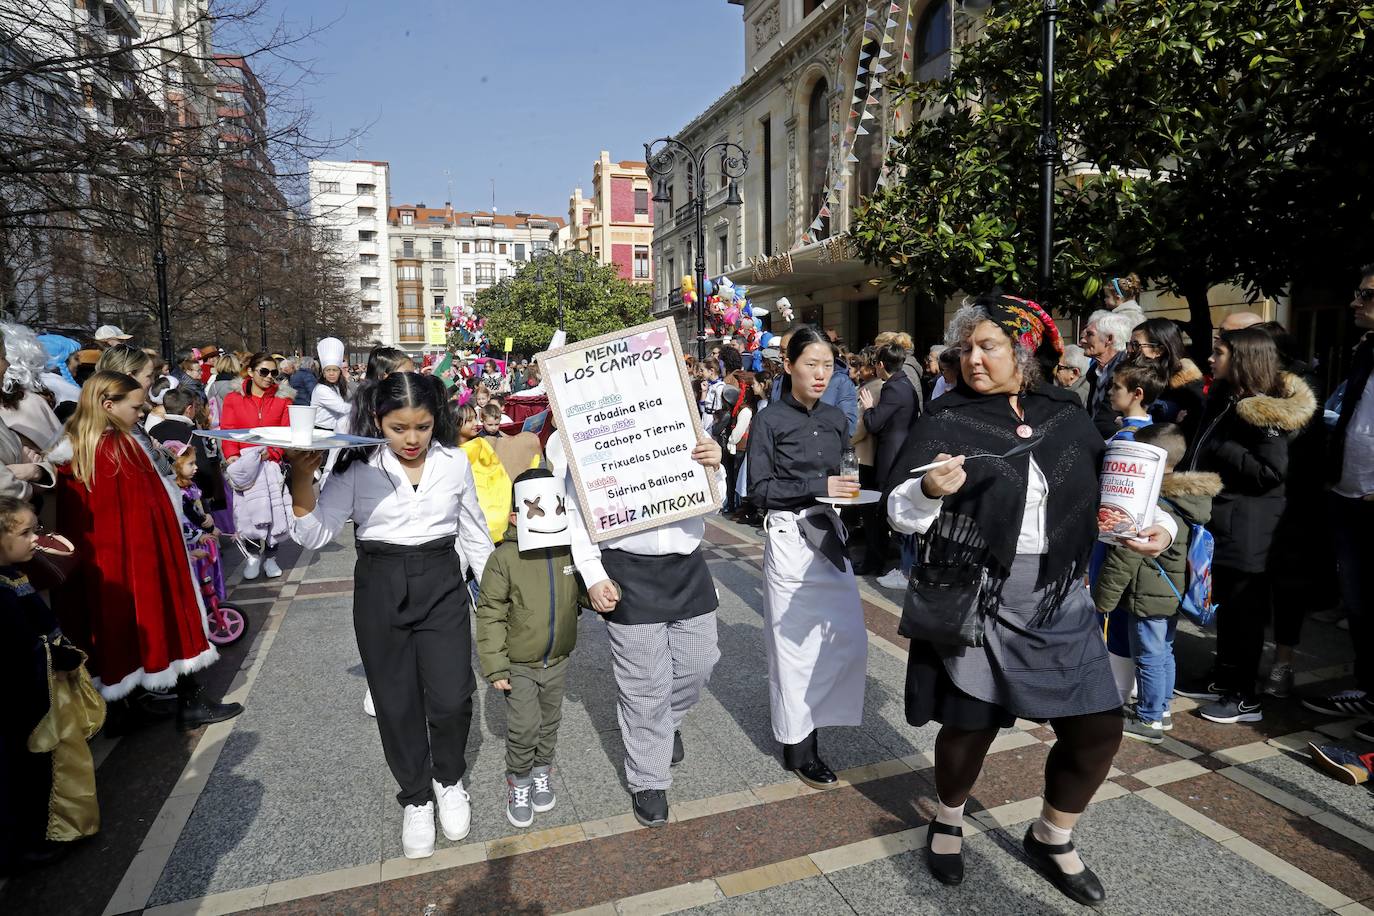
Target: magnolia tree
1204	142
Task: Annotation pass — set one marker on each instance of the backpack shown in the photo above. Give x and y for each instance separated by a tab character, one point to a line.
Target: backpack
1196	599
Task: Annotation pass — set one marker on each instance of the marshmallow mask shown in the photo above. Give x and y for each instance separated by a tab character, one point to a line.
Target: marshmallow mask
541	513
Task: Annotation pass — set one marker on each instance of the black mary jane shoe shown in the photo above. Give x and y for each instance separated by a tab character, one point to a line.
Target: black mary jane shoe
1083	887
947	867
816	774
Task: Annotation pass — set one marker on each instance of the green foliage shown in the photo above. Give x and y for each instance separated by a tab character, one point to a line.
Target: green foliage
526	310
1204	142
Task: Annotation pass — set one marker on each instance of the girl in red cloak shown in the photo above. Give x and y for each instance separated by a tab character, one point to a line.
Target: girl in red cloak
131	602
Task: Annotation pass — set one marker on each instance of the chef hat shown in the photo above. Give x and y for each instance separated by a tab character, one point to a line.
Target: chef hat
541	510
331	352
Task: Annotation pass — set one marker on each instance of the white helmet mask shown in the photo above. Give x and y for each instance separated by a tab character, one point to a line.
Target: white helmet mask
541	513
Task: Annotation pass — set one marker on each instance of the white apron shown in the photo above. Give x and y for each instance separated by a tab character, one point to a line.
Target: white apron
814	631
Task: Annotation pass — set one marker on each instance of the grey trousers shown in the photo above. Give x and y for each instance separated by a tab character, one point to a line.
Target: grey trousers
534	709
660	669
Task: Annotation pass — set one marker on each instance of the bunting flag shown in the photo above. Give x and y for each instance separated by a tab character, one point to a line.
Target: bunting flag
862	130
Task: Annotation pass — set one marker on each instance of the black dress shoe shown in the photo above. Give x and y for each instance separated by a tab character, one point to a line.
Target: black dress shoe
679	752
947	867
200	712
651	807
1083	887
816	774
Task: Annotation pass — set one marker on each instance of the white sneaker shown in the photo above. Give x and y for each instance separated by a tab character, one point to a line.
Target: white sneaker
251	568
417	833
893	580
367	704
455	813
270	568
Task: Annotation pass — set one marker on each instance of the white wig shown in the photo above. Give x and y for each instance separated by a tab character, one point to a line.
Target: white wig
28	360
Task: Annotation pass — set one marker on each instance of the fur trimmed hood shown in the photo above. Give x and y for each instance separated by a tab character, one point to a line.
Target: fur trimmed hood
1190	483
1288	412
1186	375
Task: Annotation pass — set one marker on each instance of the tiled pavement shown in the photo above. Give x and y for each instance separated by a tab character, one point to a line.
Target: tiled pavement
290	808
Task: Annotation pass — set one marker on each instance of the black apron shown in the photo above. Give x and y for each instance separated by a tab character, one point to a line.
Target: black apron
659	589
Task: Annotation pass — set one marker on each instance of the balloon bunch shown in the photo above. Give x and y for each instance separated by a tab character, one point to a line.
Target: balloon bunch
467	329
731	316
785	309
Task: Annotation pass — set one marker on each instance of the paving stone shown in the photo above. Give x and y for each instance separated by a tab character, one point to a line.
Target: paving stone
1296	775
814	896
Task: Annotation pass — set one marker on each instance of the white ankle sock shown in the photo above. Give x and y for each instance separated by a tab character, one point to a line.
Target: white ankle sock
1053	835
954	817
942	843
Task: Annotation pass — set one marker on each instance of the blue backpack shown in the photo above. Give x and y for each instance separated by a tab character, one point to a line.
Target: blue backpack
1196	599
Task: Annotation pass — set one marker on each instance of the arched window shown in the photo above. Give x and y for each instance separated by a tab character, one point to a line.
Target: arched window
817	154
867	147
932	41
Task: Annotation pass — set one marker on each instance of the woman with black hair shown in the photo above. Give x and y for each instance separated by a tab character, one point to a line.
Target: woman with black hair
1159	342
814	624
414	505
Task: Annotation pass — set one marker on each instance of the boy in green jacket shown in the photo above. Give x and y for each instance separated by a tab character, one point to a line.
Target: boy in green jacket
1129	581
526	629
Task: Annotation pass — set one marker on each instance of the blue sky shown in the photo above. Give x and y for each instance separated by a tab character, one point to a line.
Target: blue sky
526	93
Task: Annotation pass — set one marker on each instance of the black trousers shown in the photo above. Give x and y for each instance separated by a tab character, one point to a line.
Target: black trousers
1245	602
410	614
1354	530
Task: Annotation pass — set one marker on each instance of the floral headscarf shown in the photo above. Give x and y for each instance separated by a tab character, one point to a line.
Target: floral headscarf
1025	321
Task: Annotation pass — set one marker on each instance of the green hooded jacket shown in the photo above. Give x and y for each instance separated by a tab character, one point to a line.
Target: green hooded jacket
527	611
1131	581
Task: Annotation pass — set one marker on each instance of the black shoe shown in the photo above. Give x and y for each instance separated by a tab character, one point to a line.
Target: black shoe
1230	710
1083	887
1201	689
200	712
947	867
1365	732
1349	704
651	807
816	774
679	752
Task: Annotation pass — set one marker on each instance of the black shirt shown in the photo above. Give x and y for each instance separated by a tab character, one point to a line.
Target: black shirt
793	450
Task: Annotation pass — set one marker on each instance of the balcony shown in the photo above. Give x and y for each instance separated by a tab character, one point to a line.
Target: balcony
371	294
400	254
411	328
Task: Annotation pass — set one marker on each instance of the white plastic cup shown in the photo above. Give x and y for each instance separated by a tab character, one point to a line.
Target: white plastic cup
302	424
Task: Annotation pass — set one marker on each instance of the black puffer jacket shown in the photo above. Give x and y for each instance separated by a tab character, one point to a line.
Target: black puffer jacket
1246	441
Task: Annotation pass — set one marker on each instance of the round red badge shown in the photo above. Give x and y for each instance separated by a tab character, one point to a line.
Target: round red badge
1024	431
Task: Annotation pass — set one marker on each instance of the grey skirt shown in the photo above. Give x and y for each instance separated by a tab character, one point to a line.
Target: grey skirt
1051	671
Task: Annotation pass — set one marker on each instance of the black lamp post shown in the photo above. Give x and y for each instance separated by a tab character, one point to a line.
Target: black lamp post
734	162
164	308
578	275
1047	151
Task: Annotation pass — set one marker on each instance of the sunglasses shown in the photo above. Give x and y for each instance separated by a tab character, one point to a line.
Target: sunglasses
1365	295
1136	346
266	373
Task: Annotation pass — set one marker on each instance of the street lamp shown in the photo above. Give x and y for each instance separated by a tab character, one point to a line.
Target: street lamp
578	276
1047	150
734	162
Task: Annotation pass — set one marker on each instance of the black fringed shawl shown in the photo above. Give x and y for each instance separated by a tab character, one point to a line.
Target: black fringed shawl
982	522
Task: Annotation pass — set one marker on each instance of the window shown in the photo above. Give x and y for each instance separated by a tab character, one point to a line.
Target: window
410	300
436	248
371	283
467	276
501	249
722	252
641	262
367	212
541	245
367	235
596	253
332	235
766	125
818	154
436	278
503	273
519	251
932	42
412	330
486	273
153	6
641	201
672	274
810	6
467	248
484	246
329	187
366	189
368	260
408	273
407	248
407	217
438	309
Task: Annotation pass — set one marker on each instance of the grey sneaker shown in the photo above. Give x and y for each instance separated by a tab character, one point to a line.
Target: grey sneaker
518	809
542	798
1280	681
1130	712
1140	730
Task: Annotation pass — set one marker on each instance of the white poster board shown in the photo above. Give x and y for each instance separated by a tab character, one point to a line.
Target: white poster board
628	423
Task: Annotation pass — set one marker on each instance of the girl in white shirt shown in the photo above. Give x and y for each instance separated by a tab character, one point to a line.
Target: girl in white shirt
414	505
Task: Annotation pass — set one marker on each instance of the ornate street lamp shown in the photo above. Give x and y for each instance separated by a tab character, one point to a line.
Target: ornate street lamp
578	275
734	162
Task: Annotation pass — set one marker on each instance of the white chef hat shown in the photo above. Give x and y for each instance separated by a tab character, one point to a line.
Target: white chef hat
331	351
541	510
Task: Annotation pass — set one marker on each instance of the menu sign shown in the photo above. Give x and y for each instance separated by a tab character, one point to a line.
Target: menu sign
628	424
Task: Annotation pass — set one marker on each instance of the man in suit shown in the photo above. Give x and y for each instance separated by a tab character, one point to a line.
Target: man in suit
889	421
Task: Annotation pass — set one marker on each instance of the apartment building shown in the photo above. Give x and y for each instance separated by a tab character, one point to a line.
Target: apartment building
615	225
348	206
493	246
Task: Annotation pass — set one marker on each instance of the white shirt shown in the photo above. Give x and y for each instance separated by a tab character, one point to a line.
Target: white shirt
380	500
1357	462
911	511
333	410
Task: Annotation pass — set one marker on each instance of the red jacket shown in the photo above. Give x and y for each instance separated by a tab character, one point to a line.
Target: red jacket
244	411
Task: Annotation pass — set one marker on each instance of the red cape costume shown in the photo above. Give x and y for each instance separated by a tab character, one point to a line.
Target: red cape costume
131	602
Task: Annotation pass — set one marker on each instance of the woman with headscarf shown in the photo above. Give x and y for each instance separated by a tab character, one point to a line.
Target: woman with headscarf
1012	536
57	376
